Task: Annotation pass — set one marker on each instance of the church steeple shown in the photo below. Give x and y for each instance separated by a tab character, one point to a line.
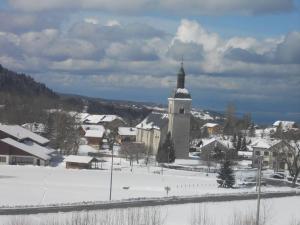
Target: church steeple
181	77
180	91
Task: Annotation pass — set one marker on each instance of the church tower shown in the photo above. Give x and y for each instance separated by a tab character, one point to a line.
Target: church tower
179	111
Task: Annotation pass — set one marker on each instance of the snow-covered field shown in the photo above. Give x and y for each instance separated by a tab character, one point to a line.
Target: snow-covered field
279	211
30	185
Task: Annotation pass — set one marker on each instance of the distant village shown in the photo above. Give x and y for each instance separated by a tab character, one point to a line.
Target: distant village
84	143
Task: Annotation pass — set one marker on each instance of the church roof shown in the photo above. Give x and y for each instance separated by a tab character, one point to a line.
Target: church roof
154	120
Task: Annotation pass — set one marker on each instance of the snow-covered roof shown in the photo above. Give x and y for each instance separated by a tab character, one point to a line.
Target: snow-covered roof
284	124
154	120
94	133
210	125
201	115
264	143
95	119
21	133
78	159
127	131
86	149
82	116
30	147
87	127
35	127
244	153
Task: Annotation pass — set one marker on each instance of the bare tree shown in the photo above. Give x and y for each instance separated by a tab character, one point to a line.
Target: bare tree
133	151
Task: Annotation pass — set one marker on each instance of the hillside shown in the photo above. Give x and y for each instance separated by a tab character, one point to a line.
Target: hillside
25	100
21	84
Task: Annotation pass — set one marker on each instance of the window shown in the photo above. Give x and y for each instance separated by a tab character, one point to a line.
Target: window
266	153
265	163
181	110
2	159
257	152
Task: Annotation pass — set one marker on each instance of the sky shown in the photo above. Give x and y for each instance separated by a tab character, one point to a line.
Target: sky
245	52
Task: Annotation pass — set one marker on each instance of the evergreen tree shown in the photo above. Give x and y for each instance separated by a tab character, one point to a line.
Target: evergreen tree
234	140
244	145
252	130
239	143
166	152
226	176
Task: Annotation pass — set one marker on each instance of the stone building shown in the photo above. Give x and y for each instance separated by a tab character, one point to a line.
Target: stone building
179	114
152	131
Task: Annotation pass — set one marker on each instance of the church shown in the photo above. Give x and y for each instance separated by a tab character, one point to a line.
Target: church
153	129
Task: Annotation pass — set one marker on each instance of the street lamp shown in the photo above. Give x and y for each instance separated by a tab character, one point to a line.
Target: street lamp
260	158
110	141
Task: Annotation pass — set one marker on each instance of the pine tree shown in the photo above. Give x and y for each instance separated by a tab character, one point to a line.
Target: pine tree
226	176
244	145
166	152
252	130
239	143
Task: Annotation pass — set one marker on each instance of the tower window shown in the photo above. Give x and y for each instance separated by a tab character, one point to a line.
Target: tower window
181	110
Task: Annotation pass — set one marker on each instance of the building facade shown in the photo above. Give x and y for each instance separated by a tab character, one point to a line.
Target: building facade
179	114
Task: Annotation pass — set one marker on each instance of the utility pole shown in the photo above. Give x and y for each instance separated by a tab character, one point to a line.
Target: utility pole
259	190
111	146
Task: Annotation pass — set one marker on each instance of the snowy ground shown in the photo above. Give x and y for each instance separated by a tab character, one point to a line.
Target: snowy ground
30	185
279	211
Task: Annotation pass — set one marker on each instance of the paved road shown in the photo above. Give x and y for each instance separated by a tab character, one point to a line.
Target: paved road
142	202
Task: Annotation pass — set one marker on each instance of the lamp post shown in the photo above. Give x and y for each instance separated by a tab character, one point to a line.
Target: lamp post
259	190
110	141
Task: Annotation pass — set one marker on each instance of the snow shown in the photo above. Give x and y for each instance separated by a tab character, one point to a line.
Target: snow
86	127
182	90
210	125
127	131
276	211
35	127
31	148
78	159
264	143
202	115
53	185
94	133
22	133
284	124
85	149
95	119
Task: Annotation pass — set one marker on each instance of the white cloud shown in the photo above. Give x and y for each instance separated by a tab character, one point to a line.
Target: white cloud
192	32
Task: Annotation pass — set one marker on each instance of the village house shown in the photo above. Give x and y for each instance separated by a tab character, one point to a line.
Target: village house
38	128
19	146
152	131
81	162
21	134
285	125
111	122
13	152
126	134
93	134
267	150
212	128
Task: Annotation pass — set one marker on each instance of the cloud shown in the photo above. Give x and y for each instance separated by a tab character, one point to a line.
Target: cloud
192	32
289	50
131	52
20	22
177	7
187	51
286	51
